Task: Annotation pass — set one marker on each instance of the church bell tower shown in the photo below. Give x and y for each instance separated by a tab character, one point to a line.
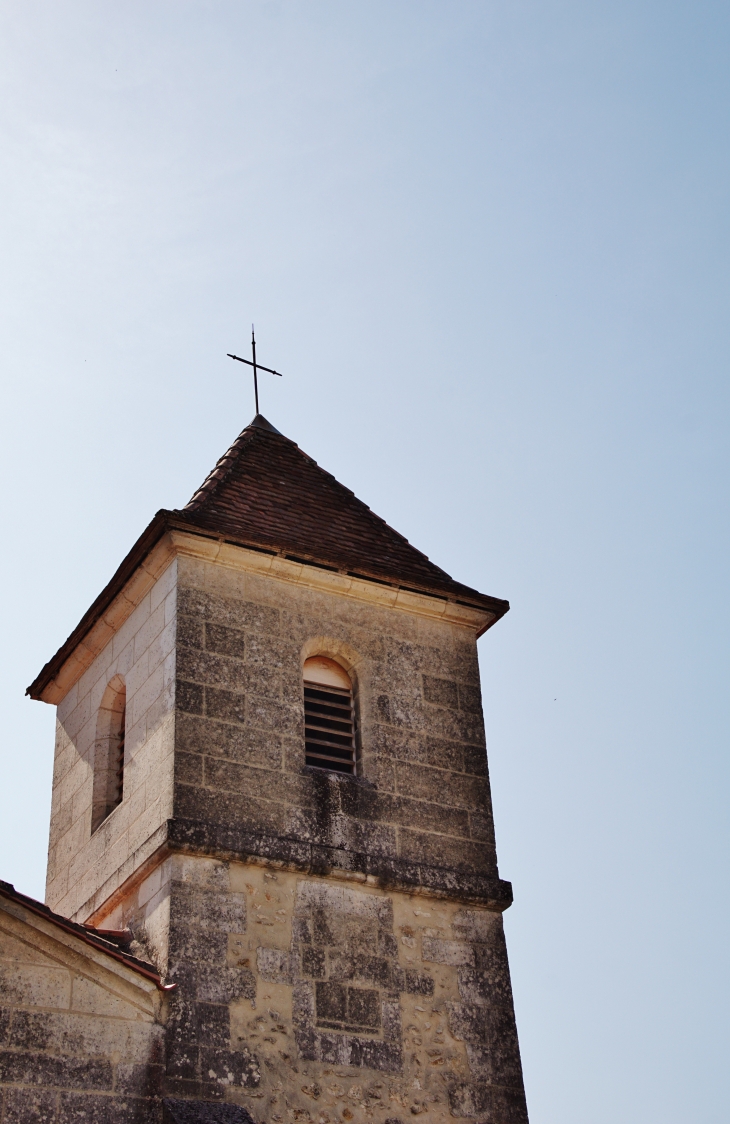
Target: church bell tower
270	766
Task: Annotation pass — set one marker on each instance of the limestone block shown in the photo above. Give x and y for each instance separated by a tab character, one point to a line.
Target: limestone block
34	984
457	953
148	631
164	586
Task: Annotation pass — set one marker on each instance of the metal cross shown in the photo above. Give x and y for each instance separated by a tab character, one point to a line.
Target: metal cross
256	367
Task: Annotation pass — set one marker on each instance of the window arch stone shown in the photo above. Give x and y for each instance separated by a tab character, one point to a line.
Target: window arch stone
329	715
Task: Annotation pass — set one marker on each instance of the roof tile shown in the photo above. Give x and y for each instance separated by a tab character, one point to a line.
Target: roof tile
267	492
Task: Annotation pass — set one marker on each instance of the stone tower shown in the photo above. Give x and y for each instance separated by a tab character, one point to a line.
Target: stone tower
328	903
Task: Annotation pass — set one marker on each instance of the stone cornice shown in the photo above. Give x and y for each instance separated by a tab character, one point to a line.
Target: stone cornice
167	537
234	843
323	580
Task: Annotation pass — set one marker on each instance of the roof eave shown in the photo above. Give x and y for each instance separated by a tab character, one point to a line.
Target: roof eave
128	567
87	935
460	593
165	521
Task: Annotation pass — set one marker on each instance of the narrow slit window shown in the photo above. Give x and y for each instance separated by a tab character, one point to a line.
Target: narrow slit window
118	793
109	752
329	716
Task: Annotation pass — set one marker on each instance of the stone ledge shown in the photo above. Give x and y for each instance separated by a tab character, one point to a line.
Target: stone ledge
239	845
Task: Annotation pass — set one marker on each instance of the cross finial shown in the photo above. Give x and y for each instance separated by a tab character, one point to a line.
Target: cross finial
256	367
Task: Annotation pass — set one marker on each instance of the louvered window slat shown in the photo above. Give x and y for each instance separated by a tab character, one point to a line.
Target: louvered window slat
329	719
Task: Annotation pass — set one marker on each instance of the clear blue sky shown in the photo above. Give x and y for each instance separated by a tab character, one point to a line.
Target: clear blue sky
487	243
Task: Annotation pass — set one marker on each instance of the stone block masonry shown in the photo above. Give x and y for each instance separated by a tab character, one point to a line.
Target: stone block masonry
81	1035
142	654
419	810
324	1000
335	941
211	659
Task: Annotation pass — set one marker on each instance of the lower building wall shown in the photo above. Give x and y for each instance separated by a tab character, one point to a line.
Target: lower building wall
322	999
80	1040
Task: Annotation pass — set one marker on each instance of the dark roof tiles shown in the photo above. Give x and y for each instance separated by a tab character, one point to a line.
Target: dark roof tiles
267	492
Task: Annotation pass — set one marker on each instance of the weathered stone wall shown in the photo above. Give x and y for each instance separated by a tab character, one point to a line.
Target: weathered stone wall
85	868
419	811
336	940
324	1000
80	1034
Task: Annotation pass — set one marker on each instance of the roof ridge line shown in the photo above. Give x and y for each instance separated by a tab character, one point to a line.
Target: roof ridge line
225	464
217	474
339	484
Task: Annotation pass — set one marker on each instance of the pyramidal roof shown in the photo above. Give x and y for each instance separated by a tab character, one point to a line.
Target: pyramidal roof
266	493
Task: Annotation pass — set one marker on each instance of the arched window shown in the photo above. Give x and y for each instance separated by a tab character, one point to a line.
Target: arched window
109	752
329	716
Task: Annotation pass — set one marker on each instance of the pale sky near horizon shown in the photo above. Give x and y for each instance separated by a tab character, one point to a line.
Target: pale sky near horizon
487	245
